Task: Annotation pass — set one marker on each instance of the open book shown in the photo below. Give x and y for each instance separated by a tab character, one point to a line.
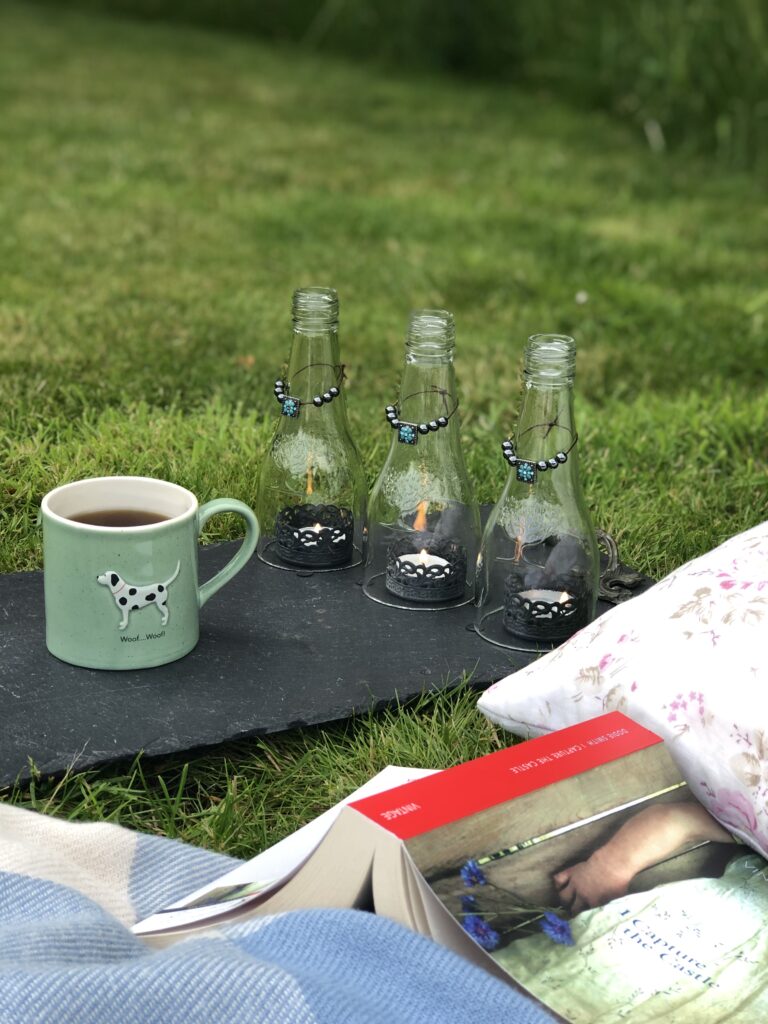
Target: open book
578	866
270	869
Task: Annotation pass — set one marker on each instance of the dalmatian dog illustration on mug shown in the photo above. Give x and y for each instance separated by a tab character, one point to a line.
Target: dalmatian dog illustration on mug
130	597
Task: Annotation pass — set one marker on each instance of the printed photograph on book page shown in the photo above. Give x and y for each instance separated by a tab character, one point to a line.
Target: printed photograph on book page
611	895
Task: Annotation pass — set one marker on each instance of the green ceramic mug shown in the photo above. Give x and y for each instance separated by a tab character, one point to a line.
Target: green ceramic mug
120	570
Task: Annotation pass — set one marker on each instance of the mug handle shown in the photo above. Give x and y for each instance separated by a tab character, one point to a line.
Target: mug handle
244	552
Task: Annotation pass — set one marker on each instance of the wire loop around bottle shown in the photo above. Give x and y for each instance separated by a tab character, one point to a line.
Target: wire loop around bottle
526	470
408	431
291	406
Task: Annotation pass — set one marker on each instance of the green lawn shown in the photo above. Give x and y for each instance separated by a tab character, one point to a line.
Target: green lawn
162	192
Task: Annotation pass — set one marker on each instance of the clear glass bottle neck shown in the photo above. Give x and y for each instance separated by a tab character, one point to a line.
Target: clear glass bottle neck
428	353
546	413
428	385
550	360
546	418
431	338
313	365
427	392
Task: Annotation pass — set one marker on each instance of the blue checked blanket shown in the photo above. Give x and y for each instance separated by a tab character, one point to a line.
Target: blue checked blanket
69	893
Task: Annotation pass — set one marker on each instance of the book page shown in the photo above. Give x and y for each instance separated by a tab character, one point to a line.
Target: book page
256	879
392	885
336	875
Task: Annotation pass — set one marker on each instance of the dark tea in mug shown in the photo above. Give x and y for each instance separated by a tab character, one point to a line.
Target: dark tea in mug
119	517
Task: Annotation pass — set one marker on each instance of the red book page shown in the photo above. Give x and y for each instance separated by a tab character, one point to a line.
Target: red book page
425	804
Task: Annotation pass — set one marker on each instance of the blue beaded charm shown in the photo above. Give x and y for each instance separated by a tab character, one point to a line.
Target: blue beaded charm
407	434
525	472
291	407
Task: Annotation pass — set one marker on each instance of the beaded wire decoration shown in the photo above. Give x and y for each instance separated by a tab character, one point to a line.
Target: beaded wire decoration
526	470
291	406
408	432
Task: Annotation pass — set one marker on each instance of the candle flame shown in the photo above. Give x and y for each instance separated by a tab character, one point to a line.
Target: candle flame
420	522
422	557
317	527
563	597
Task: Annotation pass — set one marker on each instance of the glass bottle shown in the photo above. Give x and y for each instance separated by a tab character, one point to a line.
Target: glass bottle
312	487
538	571
423	522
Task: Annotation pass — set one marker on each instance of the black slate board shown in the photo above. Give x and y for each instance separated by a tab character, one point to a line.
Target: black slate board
277	650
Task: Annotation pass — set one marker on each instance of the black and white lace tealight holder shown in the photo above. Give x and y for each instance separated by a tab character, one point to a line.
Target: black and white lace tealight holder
314	536
546	615
427	569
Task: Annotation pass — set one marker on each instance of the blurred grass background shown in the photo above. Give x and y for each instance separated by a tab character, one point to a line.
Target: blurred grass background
690	74
164	188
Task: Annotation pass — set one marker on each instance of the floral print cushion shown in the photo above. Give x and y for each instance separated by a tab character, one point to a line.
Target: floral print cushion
687	659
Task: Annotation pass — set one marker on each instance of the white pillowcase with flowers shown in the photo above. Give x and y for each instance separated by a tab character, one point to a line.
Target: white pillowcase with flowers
687	659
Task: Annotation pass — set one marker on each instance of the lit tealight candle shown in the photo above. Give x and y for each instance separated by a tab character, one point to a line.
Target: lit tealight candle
423	558
310	535
548	596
